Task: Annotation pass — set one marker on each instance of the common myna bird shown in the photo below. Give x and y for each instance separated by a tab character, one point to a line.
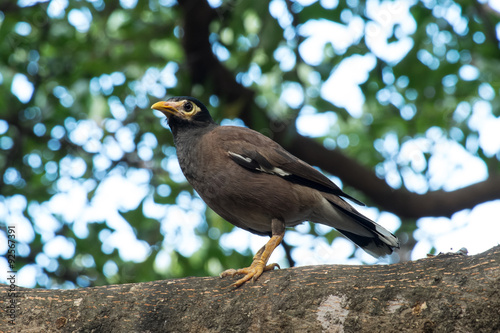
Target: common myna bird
254	183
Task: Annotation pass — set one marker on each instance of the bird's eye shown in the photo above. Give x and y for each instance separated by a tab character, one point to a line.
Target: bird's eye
188	106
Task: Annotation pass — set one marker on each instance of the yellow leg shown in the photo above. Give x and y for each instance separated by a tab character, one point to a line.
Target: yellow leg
259	263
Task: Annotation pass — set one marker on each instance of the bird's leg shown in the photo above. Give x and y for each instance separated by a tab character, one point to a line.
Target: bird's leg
259	263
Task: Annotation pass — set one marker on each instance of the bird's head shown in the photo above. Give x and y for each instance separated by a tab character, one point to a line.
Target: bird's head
187	110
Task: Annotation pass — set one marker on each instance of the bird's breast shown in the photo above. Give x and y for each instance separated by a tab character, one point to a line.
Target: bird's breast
248	199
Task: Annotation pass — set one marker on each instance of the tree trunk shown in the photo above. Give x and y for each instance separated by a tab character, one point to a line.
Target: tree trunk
446	293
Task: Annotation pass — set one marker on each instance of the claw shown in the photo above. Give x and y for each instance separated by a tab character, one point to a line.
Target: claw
253	272
229	272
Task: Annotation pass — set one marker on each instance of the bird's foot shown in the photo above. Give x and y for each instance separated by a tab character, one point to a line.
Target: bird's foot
260	259
253	272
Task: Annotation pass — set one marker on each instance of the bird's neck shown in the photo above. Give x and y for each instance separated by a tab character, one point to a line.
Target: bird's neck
188	134
188	142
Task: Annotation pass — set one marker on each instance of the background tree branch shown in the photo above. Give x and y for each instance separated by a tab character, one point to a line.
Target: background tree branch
206	69
401	202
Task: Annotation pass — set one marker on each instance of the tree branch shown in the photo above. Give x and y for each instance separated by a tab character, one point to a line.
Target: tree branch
446	293
398	201
204	67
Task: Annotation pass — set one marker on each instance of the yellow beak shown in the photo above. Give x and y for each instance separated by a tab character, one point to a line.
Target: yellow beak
168	108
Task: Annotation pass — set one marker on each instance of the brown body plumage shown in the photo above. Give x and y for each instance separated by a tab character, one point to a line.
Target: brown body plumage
254	183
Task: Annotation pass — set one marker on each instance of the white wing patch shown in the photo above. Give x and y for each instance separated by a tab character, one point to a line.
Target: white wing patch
246	159
278	171
258	167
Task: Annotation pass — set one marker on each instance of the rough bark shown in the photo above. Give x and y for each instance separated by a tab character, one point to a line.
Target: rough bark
446	293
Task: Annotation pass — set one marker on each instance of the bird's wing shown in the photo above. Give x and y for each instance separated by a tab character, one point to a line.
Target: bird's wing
257	152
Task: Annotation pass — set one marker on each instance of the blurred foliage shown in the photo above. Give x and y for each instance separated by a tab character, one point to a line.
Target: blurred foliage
89	70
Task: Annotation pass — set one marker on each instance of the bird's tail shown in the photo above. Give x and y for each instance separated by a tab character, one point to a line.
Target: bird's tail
368	235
